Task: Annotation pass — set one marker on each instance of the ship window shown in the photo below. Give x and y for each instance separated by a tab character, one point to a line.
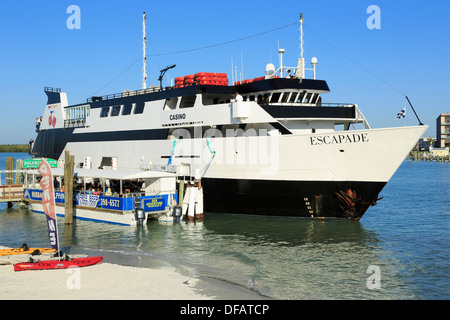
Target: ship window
104	112
293	97
308	98
187	101
301	96
115	111
127	109
315	98
216	98
275	97
170	104
139	108
285	96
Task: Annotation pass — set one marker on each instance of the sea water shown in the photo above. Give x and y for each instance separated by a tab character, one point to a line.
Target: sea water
398	250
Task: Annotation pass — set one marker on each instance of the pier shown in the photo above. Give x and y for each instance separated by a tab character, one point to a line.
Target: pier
12	190
11	193
422	156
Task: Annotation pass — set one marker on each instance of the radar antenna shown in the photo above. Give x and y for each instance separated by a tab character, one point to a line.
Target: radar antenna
144	57
300	71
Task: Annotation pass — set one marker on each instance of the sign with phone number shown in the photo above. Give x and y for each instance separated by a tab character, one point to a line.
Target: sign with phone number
111	203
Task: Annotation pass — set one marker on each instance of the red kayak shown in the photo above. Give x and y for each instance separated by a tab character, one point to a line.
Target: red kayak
57	264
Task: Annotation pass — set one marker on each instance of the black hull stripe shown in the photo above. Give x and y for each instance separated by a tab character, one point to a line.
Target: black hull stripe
51	143
287	198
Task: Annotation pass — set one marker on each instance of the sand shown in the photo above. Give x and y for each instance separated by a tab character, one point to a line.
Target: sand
107	281
102	281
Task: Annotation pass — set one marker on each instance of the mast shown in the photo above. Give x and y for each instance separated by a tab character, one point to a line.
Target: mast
144	57
300	72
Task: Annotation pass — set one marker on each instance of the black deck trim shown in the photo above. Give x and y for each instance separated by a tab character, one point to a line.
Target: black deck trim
310	112
283	83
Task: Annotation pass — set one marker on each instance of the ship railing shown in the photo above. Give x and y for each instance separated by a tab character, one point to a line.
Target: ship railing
50	89
126	93
75	123
133	194
348	105
322	104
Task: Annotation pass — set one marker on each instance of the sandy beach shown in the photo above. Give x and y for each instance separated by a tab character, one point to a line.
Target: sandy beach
107	281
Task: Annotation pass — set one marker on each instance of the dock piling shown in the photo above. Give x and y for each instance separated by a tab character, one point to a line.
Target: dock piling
69	165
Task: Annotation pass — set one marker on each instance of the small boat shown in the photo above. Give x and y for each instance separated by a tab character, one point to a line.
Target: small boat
117	195
24	249
64	263
33	257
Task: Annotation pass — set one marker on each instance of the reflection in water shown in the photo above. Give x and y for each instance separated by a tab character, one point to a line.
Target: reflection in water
284	258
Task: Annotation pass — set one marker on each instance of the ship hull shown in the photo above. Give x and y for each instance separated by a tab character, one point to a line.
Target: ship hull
315	199
335	174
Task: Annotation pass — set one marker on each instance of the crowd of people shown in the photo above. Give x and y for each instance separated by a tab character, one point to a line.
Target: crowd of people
95	187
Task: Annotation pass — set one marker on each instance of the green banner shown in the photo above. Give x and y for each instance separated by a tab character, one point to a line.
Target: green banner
35	162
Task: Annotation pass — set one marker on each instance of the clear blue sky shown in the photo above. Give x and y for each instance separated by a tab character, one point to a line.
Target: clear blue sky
410	54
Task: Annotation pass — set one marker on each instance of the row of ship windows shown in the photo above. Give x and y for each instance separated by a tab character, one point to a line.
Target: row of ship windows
127	109
170	104
285	97
189	101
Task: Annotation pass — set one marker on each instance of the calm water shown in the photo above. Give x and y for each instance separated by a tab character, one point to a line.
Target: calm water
406	235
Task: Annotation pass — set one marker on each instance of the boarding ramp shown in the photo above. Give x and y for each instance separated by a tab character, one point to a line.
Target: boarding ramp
11	191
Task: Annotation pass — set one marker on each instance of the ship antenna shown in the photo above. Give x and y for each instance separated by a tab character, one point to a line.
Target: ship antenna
144	57
300	72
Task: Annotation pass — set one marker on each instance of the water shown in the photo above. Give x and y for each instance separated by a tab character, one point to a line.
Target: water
405	236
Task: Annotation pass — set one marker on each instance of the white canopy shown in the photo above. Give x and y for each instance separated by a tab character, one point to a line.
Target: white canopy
110	174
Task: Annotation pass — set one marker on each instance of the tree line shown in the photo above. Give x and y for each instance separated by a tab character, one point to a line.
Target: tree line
14	148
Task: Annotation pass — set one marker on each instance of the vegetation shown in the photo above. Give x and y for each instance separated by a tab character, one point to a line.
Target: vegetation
14	148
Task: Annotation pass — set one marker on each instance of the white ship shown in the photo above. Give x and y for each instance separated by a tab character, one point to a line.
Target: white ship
268	145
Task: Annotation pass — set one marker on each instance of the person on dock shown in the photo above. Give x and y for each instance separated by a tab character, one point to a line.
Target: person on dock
30	144
38	124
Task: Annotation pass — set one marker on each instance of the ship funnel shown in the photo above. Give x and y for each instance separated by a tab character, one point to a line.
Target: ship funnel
53	116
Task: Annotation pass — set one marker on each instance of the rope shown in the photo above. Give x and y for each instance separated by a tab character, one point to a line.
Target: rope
194	49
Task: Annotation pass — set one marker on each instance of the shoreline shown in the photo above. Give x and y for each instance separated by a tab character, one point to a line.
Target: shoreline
110	281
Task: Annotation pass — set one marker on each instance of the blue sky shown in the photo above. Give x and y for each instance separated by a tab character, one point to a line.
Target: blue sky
409	54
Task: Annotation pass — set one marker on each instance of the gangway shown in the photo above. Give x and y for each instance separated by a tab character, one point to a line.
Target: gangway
11	191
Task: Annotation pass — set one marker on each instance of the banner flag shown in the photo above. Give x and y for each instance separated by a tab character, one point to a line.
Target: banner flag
48	203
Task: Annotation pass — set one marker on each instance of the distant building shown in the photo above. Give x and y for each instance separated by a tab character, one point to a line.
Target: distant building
439	152
443	130
424	143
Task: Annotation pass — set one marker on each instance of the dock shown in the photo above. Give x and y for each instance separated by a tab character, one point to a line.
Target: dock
422	156
11	192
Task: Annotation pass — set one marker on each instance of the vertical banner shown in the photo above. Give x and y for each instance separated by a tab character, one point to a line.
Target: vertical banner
48	202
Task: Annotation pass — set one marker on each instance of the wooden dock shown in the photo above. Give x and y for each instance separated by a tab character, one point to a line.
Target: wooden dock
12	190
11	193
